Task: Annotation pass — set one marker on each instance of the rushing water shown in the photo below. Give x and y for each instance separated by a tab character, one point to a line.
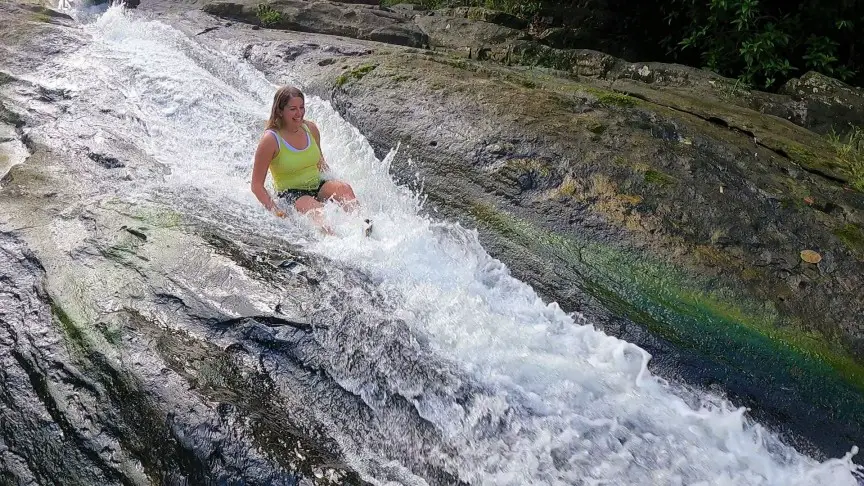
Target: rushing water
567	404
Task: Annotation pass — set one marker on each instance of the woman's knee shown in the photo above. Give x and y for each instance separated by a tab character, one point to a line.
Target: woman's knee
305	204
337	190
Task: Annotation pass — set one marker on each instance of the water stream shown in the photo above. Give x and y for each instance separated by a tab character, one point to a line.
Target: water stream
561	403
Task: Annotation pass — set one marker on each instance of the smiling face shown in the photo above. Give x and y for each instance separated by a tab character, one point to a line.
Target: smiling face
288	109
293	113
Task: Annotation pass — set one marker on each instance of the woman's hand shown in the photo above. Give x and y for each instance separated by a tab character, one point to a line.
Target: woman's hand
322	165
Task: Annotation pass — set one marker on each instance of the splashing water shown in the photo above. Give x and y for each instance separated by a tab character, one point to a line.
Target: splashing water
578	406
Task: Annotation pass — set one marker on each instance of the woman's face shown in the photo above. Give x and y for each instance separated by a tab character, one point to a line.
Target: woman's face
292	114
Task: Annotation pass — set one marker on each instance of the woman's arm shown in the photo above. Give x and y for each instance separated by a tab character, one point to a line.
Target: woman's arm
322	164
263	155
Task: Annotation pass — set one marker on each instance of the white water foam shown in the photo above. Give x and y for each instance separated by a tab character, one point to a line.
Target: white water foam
594	414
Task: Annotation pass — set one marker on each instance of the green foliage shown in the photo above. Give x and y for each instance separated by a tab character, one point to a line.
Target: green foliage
850	153
611	98
764	44
268	16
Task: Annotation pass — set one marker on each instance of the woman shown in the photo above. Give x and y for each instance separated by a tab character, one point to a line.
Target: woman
291	149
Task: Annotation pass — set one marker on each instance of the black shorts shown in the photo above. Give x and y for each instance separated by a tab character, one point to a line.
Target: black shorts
291	196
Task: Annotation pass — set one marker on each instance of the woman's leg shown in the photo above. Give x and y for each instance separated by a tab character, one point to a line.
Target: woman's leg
343	194
304	204
340	192
311	206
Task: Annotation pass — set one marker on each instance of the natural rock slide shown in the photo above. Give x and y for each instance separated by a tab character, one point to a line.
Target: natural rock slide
158	327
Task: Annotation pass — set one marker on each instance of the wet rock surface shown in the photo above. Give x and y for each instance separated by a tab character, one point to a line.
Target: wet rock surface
589	189
79	412
552	198
142	383
154	347
144	346
140	378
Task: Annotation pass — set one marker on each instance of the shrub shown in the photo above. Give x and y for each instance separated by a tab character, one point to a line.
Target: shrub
268	16
765	44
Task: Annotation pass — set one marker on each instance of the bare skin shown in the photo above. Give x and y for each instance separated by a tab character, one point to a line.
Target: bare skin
292	132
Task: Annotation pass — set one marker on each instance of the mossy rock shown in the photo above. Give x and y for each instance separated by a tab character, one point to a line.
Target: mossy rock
596	127
483	14
74	334
46	15
853	237
850	153
527	173
610	98
617	99
355	74
538	55
569	187
658	289
521	166
659	178
113	333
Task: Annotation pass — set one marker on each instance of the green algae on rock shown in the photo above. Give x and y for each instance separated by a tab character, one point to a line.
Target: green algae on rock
355	74
852	236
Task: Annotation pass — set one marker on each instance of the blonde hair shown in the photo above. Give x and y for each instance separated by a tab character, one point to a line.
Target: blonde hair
280	101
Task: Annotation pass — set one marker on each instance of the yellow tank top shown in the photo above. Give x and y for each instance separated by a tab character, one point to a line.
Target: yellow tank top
293	168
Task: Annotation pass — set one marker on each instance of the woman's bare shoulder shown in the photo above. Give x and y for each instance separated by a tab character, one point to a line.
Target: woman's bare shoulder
268	141
314	129
311	124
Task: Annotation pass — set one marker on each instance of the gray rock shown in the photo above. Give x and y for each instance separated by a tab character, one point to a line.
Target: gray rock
399	34
350	20
407	10
457	32
830	104
485	15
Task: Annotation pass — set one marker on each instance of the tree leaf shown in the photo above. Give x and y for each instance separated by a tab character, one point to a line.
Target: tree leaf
811	256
